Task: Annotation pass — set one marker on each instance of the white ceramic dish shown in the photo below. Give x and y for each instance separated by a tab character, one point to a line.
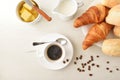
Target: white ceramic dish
18	15
68	52
66	9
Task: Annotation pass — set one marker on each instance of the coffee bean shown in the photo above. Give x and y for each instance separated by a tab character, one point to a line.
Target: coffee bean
92	58
107	68
93	64
90	74
111	71
80	57
82	64
89	62
117	69
89	68
85	64
97	66
97	56
107	62
83	70
67	60
75	62
64	62
77	58
78	69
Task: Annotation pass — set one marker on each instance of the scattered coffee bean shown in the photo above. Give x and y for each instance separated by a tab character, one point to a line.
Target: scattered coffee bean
97	56
67	60
75	62
107	62
111	71
107	68
85	64
64	62
82	64
92	58
89	62
89	68
117	69
83	70
98	66
77	58
78	69
93	64
90	74
80	57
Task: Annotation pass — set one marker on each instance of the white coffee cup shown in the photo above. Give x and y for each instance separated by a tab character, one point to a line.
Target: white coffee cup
66	9
43	51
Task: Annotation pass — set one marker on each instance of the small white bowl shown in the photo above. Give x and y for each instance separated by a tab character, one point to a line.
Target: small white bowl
66	9
38	18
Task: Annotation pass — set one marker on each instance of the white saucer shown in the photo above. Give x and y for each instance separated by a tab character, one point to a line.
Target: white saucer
68	48
85	31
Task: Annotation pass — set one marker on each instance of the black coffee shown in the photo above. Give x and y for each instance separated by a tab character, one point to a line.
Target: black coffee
54	52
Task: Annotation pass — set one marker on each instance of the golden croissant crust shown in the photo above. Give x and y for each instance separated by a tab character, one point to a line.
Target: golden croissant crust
96	33
94	14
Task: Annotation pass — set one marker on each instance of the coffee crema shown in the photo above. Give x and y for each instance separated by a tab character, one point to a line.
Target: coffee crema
54	52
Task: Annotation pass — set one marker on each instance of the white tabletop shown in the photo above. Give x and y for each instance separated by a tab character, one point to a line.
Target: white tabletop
16	37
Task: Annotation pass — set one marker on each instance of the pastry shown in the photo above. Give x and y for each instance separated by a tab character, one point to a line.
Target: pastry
94	14
114	15
96	33
111	47
116	31
110	3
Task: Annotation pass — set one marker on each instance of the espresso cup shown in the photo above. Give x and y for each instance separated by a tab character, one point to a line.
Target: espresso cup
51	52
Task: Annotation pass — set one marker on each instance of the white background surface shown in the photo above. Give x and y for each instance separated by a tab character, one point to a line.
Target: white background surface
16	39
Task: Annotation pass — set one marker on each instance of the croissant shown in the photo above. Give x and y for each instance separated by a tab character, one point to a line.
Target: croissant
96	33
94	14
